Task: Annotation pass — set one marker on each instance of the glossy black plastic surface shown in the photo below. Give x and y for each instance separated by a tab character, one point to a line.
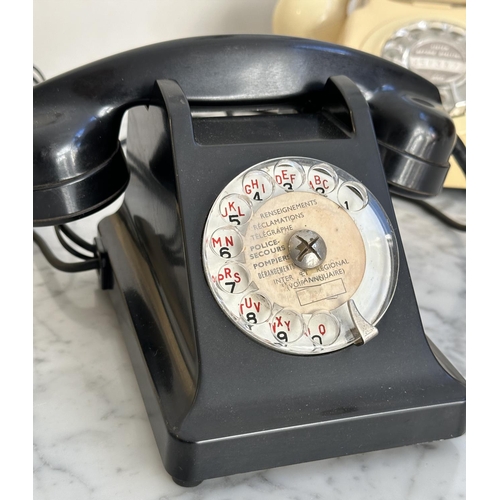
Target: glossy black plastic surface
415	138
220	403
77	164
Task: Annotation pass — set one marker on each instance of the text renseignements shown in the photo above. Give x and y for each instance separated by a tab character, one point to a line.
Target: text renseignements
289	208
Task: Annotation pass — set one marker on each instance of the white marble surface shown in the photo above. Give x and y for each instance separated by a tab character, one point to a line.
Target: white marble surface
92	438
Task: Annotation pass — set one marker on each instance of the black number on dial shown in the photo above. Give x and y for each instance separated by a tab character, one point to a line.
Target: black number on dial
225	253
234	218
282	336
251	318
317	338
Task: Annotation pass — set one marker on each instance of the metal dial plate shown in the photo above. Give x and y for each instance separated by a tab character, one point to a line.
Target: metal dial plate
436	51
300	256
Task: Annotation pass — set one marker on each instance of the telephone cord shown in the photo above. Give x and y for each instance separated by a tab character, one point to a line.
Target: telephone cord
68	267
69	248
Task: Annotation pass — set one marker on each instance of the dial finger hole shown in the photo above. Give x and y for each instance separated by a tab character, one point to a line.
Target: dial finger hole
287	326
255	308
322	179
289	175
235	210
323	329
352	196
258	186
232	278
226	242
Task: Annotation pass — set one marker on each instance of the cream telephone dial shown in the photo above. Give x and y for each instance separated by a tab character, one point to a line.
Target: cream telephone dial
255	264
425	36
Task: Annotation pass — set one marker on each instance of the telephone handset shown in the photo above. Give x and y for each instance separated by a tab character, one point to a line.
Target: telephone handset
256	252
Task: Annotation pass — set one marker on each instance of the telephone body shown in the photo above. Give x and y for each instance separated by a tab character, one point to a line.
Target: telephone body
426	36
255	264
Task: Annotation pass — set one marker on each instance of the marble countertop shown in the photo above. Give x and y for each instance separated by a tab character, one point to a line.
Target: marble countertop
92	438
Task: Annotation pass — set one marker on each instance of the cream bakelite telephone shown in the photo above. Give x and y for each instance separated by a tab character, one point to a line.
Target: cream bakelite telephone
425	36
255	263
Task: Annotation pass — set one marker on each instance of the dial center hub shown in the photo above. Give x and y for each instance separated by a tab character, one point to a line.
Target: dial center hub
307	249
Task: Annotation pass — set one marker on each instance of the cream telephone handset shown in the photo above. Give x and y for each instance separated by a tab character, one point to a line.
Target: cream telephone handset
425	36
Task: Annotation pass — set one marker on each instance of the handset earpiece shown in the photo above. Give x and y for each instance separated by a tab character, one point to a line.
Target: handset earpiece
416	138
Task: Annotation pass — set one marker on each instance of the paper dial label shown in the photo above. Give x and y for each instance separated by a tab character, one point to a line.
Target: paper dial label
269	264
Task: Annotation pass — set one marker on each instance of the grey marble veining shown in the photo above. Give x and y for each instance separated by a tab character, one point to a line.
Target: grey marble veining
92	438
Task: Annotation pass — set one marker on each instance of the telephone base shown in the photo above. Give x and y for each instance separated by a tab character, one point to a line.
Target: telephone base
428	406
219	402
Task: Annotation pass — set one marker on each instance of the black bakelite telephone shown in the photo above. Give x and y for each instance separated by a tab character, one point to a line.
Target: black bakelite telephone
255	263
